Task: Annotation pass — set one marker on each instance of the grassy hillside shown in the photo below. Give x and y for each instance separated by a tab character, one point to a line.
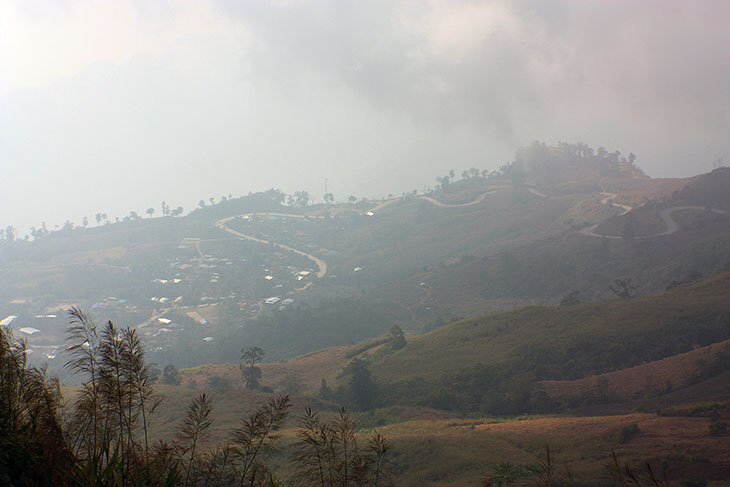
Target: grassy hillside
651	378
508	351
499	363
416	261
570	341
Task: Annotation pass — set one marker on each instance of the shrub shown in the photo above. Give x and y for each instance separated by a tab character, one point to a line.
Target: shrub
718	428
628	433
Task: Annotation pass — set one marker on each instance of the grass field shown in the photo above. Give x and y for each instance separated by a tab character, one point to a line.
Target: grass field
535	334
431	448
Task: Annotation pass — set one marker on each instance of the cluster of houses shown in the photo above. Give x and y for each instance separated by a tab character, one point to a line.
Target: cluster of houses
172	289
40	340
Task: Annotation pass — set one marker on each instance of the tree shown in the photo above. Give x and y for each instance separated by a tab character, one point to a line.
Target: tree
516	173
154	372
570	299
301	199
98	219
362	387
352	199
165	208
277	195
85	221
396	338
201	203
623	288
150	211
10	233
251	373
329	198
170	376
177	211
324	390
443	182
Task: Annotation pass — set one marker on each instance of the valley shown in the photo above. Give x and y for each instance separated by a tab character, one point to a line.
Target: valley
567	299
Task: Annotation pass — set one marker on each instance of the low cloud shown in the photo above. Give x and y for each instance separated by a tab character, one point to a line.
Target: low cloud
378	97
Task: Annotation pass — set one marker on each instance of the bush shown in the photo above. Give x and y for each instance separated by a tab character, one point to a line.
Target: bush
222	384
170	376
628	433
718	428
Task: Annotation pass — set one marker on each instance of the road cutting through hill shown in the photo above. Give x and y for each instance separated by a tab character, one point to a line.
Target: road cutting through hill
321	264
665	215
476	201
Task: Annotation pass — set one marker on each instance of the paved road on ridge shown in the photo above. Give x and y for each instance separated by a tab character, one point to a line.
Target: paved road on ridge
321	264
476	201
665	215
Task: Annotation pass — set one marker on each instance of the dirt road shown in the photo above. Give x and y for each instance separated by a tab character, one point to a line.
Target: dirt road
665	214
321	265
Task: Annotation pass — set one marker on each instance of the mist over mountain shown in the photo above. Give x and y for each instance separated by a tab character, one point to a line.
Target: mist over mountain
439	243
178	102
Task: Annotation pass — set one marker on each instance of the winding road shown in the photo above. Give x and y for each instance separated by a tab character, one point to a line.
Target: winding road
607	199
665	215
476	201
321	265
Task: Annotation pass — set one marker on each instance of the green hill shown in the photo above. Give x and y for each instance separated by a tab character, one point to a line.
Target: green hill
482	362
487	242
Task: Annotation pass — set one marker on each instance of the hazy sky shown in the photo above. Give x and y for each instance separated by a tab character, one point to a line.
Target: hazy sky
117	105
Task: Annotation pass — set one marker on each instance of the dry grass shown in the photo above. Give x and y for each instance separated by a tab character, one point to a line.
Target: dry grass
642	380
300	375
495	338
458	453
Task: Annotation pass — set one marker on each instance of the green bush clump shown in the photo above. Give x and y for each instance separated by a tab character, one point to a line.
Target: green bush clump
719	428
628	433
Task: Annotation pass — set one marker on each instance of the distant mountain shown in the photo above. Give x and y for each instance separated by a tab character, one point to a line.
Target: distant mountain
555	222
